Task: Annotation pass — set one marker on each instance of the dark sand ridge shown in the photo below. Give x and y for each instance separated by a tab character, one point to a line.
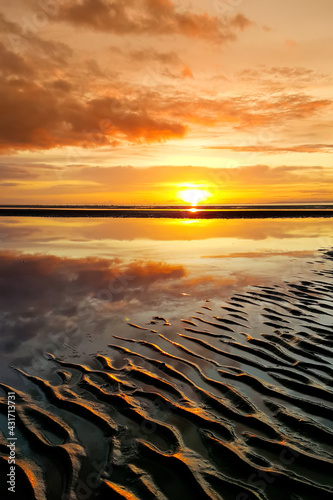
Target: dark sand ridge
179	212
236	405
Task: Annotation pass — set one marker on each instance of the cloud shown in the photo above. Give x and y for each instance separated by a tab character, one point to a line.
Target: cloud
43	293
9	27
187	72
160	65
169	57
261	175
19	36
8	184
290	43
47	102
62	85
13	172
170	178
262	255
161	184
288	74
245	111
150	17
272	149
33	118
44	103
241	22
13	64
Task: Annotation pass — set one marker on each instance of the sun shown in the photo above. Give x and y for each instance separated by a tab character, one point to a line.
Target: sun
193	196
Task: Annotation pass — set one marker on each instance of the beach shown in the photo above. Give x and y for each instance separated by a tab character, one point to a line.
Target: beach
168	363
166	250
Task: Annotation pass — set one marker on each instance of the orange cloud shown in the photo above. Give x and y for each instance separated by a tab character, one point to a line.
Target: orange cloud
187	73
286	74
150	17
171	175
291	43
48	114
246	111
46	101
33	118
241	22
163	57
11	63
271	149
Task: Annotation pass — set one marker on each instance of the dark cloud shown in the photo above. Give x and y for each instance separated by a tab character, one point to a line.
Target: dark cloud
62	85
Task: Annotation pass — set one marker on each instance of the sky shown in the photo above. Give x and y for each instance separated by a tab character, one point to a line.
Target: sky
166	101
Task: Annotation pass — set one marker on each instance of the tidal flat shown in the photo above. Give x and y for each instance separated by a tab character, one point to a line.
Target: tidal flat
166	358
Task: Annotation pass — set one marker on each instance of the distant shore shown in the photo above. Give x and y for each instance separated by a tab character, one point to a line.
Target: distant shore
229	212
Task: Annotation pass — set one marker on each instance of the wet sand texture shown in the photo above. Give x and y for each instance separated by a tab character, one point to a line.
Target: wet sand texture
235	405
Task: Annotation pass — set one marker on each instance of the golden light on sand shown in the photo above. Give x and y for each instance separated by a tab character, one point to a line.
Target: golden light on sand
193	196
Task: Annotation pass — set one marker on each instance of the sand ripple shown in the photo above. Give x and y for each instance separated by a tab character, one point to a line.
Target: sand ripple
235	405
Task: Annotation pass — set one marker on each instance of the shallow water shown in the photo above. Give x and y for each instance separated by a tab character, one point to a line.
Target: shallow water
187	358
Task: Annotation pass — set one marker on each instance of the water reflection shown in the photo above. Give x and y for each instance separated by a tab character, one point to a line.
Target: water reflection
45	230
68	285
197	347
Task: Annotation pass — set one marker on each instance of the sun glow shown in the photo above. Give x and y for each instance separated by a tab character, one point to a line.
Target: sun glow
193	196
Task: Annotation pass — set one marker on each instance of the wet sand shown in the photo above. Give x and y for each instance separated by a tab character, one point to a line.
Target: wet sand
236	405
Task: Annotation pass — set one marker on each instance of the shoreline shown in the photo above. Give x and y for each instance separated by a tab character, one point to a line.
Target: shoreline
189	213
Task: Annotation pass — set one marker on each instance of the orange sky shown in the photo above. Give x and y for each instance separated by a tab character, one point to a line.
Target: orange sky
114	101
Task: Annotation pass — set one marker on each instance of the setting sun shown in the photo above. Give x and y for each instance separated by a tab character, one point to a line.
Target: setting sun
193	196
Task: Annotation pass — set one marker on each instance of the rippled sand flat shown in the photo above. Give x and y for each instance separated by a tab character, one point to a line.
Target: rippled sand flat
235	405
